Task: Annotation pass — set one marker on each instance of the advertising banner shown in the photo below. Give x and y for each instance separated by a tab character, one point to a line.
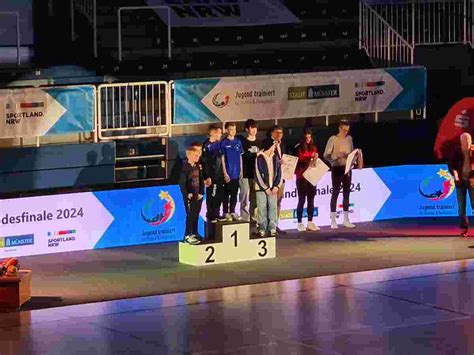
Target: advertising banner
83	221
378	194
299	95
106	219
459	119
381	193
41	112
223	13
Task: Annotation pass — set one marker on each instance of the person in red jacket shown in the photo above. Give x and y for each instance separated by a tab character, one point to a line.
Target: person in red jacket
307	153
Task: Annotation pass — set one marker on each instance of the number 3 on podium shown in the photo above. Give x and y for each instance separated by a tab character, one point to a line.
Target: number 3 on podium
263	245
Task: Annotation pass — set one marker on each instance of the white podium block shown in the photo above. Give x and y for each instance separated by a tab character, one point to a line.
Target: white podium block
236	246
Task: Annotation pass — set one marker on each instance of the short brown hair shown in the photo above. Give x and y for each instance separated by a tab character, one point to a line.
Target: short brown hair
230	124
344	123
275	128
250	123
213	127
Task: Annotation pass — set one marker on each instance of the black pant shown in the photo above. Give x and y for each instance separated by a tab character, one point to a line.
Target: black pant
214	197
338	179
230	197
193	207
462	188
306	191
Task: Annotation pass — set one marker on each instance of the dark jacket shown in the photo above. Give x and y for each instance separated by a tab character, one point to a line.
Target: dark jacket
268	172
186	183
212	163
267	143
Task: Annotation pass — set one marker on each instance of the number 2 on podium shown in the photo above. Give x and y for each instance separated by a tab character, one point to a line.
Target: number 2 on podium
211	254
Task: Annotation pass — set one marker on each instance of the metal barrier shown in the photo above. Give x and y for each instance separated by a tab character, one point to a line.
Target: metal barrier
429	22
135	8
18	40
88	8
133	110
381	41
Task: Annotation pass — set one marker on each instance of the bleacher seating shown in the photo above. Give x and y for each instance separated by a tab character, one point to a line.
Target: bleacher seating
325	39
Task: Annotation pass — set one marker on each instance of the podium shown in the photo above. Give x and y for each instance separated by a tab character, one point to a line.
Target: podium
233	244
14	291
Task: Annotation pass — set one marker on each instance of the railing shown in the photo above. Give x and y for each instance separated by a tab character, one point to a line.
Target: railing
18	40
88	8
429	22
381	41
135	8
133	110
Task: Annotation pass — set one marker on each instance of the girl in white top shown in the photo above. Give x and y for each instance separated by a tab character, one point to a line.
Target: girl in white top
337	150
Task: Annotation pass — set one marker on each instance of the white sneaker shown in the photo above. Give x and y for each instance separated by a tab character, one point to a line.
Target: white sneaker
192	240
261	234
228	217
333	220
236	217
312	227
301	227
273	233
348	224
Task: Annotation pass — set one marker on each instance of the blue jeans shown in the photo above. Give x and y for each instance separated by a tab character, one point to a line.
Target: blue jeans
247	199
267	211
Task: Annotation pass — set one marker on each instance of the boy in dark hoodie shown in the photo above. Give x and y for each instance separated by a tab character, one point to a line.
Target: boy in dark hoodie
192	187
213	173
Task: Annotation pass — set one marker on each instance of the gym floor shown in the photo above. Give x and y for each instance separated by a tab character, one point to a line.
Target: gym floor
424	309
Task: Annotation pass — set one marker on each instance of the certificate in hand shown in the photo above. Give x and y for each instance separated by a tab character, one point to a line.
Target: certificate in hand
351	159
316	172
288	166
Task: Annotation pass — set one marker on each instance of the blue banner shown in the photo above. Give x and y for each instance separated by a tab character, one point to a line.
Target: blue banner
418	191
299	95
79	103
143	216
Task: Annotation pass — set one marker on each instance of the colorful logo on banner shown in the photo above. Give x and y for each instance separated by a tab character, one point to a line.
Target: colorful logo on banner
437	187
17	241
220	100
159	211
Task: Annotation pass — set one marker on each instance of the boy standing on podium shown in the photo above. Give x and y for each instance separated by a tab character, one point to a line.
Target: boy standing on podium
191	184
231	150
268	182
213	176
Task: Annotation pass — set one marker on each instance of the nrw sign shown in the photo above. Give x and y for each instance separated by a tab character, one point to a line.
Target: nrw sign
217	13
